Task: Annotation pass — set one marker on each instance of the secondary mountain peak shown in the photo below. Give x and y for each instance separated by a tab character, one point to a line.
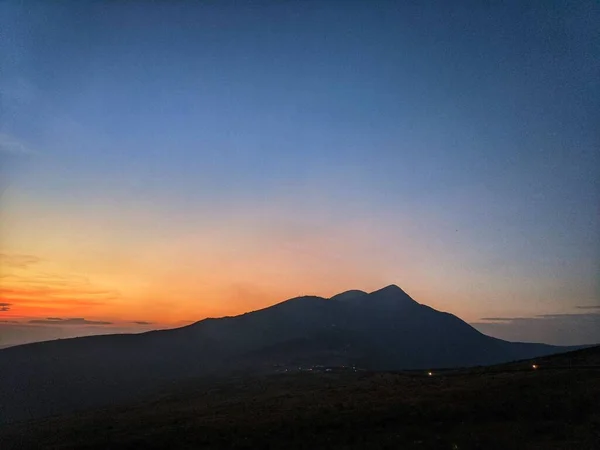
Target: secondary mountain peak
348	295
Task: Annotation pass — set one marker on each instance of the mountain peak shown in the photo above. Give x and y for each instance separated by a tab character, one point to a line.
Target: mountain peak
392	289
392	293
389	288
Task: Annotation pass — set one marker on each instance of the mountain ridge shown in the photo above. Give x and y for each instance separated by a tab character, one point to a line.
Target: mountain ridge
382	330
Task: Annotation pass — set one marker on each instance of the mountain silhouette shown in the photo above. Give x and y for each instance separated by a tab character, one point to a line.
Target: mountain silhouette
381	330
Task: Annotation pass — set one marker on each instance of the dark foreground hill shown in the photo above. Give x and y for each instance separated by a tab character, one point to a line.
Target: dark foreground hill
383	330
512	406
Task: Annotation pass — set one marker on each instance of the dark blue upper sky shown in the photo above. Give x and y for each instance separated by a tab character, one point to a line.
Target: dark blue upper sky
480	119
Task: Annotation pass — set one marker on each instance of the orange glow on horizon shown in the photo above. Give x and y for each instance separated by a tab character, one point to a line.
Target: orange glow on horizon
109	263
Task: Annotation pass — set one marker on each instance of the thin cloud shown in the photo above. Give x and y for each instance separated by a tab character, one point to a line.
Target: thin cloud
142	322
558	329
542	317
46	279
560	316
51	292
13	147
18	261
72	321
9	321
503	319
36	292
589	307
5	306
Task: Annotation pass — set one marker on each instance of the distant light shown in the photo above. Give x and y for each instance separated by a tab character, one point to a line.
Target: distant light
430	373
534	366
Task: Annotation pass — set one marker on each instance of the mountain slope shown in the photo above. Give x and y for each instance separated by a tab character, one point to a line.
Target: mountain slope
385	329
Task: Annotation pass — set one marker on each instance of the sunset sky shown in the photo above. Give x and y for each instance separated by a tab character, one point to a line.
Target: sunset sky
162	162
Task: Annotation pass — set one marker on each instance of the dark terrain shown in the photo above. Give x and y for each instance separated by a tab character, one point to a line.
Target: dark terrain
383	330
511	406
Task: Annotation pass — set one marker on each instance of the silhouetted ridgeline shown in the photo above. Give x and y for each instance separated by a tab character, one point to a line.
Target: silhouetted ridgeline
385	329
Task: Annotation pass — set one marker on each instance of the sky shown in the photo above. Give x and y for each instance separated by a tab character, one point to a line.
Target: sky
163	162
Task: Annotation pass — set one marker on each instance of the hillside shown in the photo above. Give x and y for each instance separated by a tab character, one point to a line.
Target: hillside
383	330
508	406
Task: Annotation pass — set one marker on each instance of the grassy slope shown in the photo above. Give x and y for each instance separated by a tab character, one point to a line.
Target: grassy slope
509	406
